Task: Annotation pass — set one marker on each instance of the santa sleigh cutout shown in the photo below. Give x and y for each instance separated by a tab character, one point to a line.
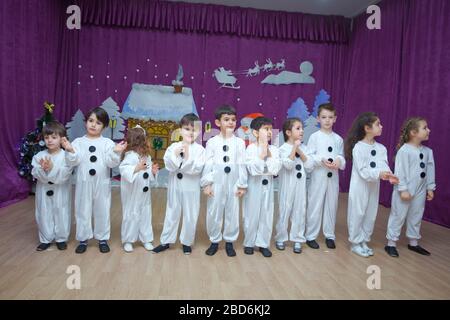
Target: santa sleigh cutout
226	78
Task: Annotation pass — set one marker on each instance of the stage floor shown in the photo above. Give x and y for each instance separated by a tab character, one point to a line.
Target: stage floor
314	274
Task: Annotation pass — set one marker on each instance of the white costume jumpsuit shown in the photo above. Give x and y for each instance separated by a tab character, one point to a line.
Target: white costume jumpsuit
292	194
53	197
258	203
136	199
93	157
369	160
323	190
183	193
225	170
414	166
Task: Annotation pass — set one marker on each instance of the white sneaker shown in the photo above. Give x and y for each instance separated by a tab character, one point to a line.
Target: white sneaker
359	251
367	248
128	247
148	246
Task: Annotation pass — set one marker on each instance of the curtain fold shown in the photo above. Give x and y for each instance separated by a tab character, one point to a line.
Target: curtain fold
215	19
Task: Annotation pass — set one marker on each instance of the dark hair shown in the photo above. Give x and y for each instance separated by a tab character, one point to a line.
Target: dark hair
54	127
137	141
410	124
101	115
189	119
258	122
224	109
288	124
326	106
357	131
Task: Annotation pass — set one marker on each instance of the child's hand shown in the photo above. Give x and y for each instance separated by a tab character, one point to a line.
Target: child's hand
208	190
179	150
186	151
120	147
384	175
430	195
405	196
393	179
46	164
66	145
240	192
297	144
328	164
337	163
155	168
142	165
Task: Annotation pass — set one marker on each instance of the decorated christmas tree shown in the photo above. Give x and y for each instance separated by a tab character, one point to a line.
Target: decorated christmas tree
33	142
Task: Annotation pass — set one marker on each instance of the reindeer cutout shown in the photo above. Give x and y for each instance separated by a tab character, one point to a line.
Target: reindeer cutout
280	65
253	71
268	66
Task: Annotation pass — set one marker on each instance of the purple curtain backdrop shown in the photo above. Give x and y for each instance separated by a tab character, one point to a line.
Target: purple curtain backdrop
30	34
398	71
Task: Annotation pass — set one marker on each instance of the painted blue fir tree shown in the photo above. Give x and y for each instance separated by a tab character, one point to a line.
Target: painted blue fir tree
321	98
298	109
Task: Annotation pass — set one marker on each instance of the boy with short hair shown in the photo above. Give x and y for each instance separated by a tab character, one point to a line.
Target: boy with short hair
53	189
224	181
327	150
184	160
263	162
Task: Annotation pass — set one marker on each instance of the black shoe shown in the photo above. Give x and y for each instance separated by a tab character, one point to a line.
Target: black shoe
229	249
187	249
81	247
103	246
212	249
313	244
61	245
248	250
330	243
265	252
160	248
392	251
419	250
43	246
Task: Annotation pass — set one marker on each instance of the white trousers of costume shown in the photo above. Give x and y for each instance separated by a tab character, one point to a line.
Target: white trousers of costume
223	210
93	198
409	211
323	195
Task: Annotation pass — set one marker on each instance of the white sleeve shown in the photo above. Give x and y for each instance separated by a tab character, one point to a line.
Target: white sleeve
112	158
340	156
431	184
171	162
255	165
195	163
60	173
208	171
401	170
312	147
37	172
309	163
74	159
243	175
286	162
127	167
273	163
